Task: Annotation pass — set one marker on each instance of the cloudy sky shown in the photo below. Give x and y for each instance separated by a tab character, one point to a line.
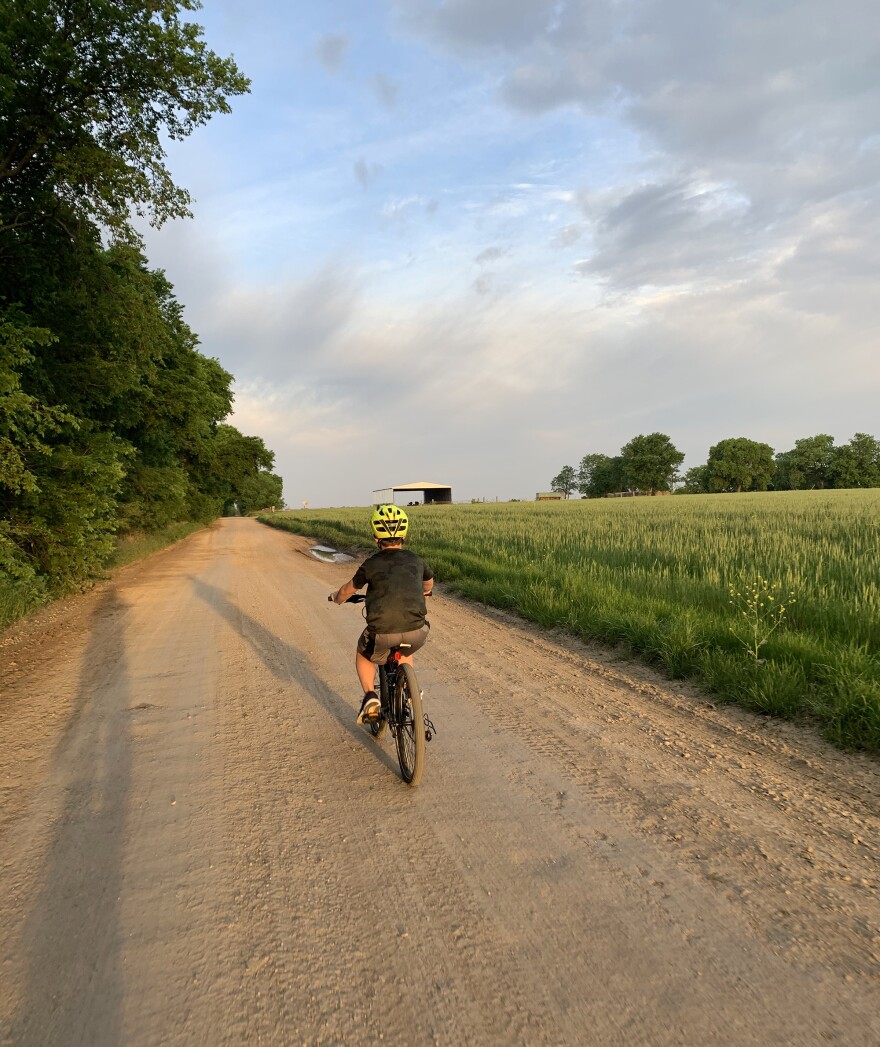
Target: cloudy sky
471	241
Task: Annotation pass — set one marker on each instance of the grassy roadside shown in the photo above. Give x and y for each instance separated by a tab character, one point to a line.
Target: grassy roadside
136	547
17	601
654	575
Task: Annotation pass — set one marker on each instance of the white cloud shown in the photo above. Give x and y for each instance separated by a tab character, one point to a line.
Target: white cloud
668	234
567	235
775	104
715	168
400	208
318	360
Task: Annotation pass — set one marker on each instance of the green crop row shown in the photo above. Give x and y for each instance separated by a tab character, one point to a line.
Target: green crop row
656	575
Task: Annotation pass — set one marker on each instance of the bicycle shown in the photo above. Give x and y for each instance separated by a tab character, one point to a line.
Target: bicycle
402	710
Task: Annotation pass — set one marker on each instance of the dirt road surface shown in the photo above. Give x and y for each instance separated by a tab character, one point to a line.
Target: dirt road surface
199	846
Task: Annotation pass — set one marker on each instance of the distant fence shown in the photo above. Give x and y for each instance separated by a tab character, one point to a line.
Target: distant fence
638	494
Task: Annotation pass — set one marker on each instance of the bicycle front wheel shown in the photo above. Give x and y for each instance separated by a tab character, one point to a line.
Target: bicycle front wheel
410	722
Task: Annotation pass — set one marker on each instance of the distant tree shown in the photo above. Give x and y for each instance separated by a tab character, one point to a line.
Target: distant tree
856	464
241	471
786	475
738	464
598	475
650	463
811	461
565	481
695	481
261	490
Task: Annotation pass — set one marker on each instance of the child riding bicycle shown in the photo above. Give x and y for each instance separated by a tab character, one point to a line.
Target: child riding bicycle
397	581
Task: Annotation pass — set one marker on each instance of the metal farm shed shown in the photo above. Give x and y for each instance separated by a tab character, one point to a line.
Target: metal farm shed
430	493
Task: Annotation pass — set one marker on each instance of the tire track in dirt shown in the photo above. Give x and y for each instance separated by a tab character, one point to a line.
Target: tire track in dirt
760	833
425	912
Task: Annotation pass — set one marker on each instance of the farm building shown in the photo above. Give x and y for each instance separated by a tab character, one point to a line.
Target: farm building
429	492
549	496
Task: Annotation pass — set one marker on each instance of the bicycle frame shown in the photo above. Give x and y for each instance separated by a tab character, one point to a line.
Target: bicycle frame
390	666
402	710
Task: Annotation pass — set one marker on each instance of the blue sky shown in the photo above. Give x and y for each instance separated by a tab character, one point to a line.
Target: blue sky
472	241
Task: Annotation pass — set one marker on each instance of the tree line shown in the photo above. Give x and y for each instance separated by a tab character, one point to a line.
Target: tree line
649	464
111	420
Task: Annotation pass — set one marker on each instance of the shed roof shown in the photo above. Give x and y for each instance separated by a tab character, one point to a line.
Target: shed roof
423	485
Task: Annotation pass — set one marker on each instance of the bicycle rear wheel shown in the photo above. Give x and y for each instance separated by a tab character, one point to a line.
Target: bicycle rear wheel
378	727
409	718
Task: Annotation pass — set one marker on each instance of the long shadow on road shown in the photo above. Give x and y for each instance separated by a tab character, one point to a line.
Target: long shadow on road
73	989
288	664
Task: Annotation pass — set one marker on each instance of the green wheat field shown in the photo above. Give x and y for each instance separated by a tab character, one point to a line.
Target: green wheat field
655	574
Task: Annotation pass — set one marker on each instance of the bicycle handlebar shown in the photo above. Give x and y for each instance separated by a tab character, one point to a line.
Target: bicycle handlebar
358	598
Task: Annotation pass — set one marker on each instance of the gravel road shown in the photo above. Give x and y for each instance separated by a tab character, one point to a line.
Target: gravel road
198	845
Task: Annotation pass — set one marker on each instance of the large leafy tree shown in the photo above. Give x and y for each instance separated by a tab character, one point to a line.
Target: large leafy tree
109	415
786	475
856	464
25	426
140	444
242	470
171	417
66	528
25	422
598	475
565	481
739	464
809	464
88	91
650	462
695	481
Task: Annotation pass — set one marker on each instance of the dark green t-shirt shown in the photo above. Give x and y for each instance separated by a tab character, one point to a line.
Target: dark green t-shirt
395	591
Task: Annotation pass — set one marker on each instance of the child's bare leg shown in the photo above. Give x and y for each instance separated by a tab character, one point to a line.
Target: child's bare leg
366	672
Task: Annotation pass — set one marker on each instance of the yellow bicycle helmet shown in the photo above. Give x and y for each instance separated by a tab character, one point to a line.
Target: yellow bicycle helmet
389	521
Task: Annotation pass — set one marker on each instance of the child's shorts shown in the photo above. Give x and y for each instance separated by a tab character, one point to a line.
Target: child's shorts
377	647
